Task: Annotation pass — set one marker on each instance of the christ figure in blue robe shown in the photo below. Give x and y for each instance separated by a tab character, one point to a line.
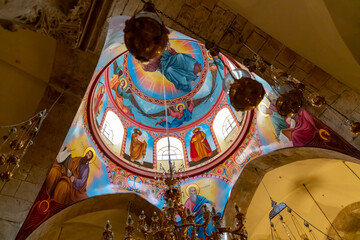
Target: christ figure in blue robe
179	68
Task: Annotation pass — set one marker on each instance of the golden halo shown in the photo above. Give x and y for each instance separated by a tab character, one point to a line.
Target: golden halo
324	134
93	152
192	185
264	114
180	104
209	55
123	79
195	129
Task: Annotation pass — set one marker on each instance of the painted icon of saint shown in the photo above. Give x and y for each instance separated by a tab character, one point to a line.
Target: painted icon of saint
66	182
195	203
199	146
138	146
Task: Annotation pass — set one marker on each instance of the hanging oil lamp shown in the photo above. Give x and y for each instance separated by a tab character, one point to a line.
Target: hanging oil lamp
318	101
145	34
355	128
289	103
245	94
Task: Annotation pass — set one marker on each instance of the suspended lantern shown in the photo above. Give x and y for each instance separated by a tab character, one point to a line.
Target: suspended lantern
289	103
245	94
318	101
229	79
145	34
355	128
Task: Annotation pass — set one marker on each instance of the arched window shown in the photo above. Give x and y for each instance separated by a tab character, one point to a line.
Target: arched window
112	131
107	131
223	125
176	152
228	125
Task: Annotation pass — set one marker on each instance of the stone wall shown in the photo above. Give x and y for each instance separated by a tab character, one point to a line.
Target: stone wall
18	195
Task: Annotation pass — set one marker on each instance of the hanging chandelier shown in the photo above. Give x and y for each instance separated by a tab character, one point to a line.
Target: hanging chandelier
164	226
15	144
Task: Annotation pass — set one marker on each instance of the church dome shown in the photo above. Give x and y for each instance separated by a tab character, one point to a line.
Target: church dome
133	105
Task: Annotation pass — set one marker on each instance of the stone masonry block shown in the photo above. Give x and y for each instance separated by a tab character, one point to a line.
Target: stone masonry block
213	29
193	3
200	17
329	95
239	23
255	41
317	77
132	7
270	49
286	57
173	8
235	47
304	64
28	191
11	187
332	119
279	65
246	31
245	53
348	101
297	73
13	209
37	175
8	229
262	33
228	39
356	142
209	4
22	172
186	15
336	86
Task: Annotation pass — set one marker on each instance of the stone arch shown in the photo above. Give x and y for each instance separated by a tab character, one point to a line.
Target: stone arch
252	174
96	205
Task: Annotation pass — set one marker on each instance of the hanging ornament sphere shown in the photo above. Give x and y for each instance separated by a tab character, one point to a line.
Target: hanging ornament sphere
289	103
6	176
318	101
245	94
145	34
2	159
355	128
237	74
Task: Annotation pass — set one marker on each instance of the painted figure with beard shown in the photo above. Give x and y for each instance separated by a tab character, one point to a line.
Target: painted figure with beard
195	203
137	146
179	68
66	182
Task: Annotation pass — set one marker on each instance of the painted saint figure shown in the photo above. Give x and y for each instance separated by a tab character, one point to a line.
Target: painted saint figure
179	68
195	203
199	146
66	182
137	146
119	85
180	116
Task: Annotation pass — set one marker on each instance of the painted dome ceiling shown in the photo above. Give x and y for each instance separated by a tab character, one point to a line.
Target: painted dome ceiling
182	91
